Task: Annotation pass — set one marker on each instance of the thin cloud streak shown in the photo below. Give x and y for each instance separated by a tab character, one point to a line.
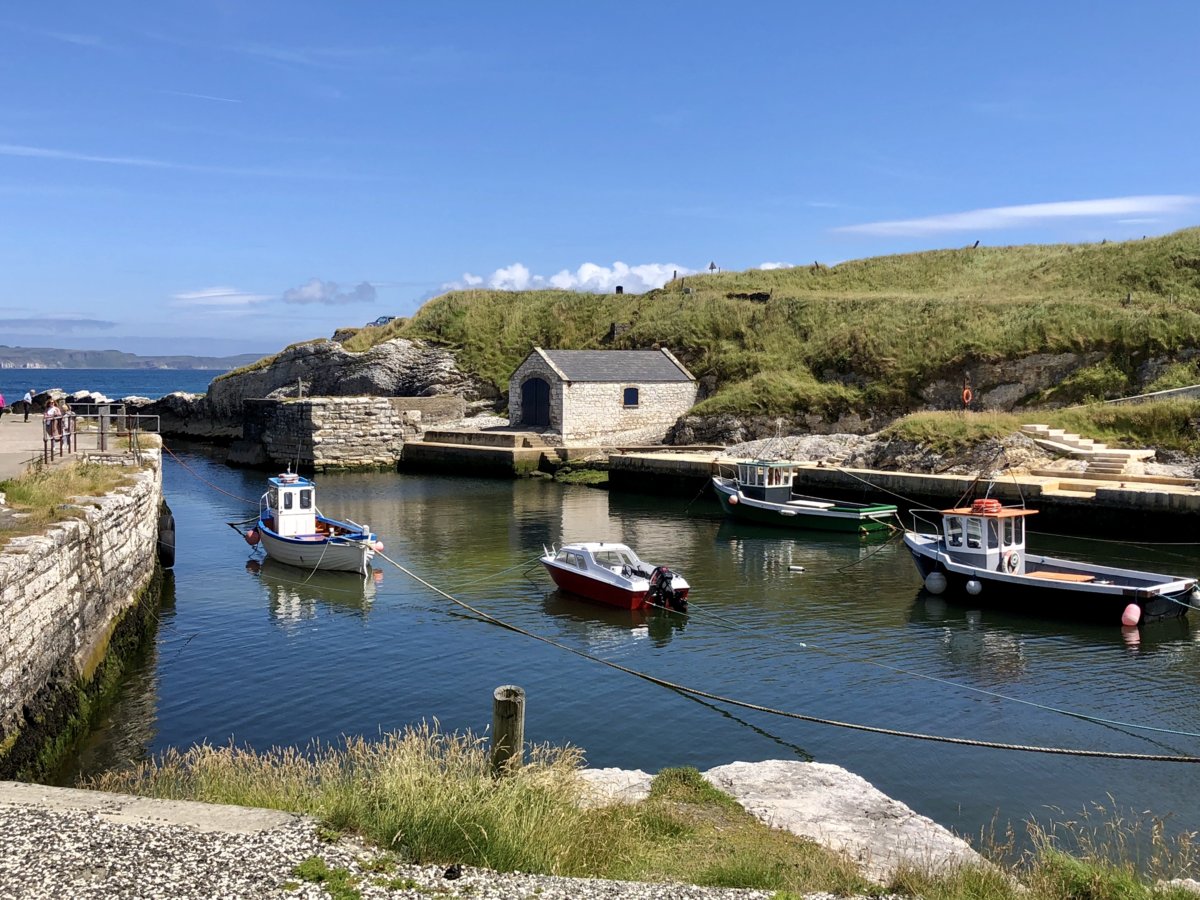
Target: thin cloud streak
219	297
200	96
141	162
1029	214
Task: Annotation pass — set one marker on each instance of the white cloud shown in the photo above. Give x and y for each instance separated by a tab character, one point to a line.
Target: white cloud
588	277
1029	214
317	291
775	265
219	297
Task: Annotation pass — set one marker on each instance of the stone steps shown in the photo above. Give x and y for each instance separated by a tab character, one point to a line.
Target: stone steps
1101	459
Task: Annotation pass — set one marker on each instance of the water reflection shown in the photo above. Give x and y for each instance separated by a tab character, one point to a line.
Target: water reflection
125	733
931	610
604	628
298	594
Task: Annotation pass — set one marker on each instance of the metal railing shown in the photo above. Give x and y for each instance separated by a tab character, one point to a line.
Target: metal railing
98	428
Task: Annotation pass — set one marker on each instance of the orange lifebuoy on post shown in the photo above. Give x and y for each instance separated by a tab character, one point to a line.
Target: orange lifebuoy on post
967	396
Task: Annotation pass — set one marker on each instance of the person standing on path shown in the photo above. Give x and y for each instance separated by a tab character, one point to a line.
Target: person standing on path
28	401
53	425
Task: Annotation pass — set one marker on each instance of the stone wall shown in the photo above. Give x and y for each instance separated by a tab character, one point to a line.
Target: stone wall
535	366
595	409
66	599
337	432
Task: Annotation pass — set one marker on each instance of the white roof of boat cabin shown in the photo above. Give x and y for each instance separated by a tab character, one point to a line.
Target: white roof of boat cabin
772	463
593	546
290	480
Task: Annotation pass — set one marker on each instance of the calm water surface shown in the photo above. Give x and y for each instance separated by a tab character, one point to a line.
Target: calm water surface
262	655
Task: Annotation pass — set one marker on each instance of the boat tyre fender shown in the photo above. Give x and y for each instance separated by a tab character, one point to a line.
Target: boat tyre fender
1012	562
166	536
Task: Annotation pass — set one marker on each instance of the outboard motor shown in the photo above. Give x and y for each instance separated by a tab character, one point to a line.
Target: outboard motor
662	593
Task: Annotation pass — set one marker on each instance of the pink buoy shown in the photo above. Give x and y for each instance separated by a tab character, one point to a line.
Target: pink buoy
1132	615
733	500
379	546
252	537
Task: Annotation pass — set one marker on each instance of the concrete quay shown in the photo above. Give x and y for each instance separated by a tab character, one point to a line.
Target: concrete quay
1085	504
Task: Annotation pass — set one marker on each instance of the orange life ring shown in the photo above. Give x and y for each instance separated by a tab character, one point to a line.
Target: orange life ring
967	396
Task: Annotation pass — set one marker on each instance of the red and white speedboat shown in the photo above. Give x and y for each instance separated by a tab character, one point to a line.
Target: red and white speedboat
613	574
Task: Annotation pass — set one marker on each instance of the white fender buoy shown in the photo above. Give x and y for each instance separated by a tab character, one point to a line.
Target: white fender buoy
935	582
733	501
1131	616
379	546
974	586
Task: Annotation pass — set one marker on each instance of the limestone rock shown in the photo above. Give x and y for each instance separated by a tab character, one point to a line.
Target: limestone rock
842	811
608	786
395	368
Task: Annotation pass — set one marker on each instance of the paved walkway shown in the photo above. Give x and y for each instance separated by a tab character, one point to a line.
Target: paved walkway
20	443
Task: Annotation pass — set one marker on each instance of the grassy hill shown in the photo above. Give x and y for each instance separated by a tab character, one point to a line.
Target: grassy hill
863	334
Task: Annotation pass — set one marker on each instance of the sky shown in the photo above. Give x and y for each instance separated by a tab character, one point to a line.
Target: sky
217	177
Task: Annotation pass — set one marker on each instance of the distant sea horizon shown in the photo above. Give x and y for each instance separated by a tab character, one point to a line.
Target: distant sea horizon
113	383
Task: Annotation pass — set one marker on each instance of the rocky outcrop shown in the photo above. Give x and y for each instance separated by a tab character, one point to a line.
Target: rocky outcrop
824	803
395	368
726	428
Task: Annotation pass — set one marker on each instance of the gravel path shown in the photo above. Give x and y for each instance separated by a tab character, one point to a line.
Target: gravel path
131	848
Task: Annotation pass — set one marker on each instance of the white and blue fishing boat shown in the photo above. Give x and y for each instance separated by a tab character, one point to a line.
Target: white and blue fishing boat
979	550
293	531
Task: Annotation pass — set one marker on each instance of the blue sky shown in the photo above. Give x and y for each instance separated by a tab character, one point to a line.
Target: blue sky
225	177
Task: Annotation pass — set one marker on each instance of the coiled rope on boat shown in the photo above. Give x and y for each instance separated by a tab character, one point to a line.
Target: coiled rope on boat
803	717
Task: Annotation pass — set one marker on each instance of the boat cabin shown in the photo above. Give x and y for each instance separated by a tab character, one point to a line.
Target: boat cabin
766	480
291	502
614	557
986	535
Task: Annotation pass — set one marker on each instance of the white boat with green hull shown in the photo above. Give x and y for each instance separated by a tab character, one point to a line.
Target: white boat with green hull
762	492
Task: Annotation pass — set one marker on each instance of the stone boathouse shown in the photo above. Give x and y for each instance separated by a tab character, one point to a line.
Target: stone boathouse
588	394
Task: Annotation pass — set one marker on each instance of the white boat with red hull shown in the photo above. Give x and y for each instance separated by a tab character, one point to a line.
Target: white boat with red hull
979	551
613	574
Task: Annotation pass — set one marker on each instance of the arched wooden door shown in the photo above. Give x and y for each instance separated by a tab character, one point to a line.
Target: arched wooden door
535	403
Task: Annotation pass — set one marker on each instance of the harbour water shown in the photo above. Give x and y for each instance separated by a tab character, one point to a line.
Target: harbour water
265	655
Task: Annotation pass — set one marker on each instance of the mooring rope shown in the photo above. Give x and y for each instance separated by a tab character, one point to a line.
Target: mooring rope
204	480
803	717
845	657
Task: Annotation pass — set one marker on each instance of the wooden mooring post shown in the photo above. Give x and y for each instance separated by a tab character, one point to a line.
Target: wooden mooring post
508	728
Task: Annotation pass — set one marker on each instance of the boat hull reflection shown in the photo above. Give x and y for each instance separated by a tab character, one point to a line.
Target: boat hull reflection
299	594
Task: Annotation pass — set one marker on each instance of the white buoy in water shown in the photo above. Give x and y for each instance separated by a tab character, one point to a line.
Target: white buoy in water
795	568
935	582
974	586
1131	616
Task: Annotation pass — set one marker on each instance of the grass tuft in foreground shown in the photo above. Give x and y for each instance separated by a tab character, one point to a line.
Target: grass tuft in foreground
42	495
428	797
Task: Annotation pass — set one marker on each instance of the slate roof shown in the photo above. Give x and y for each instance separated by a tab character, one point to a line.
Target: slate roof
617	365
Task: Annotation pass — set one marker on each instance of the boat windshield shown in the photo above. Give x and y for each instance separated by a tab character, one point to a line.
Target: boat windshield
612	558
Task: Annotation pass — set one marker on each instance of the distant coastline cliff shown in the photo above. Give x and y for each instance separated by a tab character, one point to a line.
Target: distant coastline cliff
49	358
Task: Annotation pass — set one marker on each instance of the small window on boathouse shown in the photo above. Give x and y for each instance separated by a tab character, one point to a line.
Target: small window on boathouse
630	397
306	499
288	498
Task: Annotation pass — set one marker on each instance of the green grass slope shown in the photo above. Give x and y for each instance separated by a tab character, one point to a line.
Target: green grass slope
862	334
